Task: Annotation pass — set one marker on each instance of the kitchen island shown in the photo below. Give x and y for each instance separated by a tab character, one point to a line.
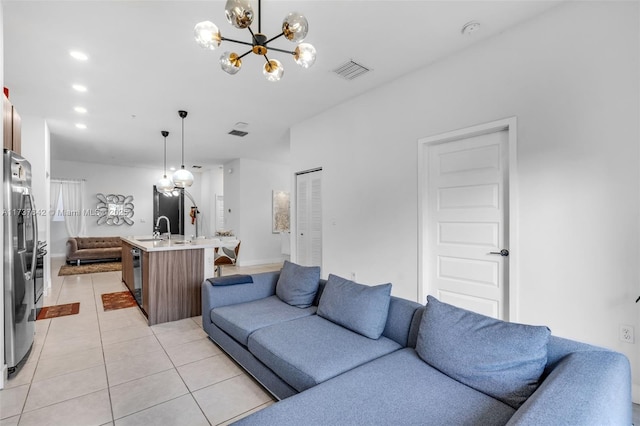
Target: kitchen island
165	275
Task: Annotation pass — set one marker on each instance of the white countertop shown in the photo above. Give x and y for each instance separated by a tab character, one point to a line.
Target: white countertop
177	242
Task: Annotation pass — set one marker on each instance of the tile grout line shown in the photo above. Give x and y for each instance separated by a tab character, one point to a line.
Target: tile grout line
181	378
104	359
46	334
64	290
84	369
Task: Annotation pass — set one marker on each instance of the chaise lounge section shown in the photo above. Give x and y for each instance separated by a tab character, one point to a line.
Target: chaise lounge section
337	352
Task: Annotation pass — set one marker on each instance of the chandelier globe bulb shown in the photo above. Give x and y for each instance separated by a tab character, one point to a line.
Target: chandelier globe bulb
295	27
207	35
305	55
273	70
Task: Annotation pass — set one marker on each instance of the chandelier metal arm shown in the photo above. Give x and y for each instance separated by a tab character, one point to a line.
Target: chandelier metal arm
236	41
245	54
282	50
273	38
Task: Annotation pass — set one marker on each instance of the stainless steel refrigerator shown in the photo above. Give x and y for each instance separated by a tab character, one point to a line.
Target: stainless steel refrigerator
20	259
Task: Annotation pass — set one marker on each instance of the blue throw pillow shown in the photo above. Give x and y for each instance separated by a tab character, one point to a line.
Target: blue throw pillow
501	359
297	285
360	308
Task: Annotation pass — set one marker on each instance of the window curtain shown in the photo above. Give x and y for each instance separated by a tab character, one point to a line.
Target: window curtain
56	187
73	204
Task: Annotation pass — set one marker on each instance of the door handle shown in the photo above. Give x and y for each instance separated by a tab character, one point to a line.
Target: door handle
503	252
34	254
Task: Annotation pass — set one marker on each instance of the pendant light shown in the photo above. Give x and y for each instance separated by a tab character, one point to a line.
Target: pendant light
182	178
165	184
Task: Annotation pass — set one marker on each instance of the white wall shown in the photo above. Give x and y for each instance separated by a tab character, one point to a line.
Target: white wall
248	205
575	93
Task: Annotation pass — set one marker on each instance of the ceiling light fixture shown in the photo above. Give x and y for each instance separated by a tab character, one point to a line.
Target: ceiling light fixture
79	88
165	184
80	110
81	126
182	178
239	13
75	54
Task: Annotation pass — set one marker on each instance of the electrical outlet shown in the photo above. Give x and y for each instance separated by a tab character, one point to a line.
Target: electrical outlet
626	334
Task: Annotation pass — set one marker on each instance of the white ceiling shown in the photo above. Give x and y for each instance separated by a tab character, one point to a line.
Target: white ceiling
144	66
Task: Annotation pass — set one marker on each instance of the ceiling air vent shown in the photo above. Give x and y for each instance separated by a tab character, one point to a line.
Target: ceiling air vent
351	70
238	133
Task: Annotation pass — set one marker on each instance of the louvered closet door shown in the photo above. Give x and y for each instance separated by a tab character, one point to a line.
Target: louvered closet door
309	218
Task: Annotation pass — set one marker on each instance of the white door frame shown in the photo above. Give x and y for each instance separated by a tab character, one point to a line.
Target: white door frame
510	125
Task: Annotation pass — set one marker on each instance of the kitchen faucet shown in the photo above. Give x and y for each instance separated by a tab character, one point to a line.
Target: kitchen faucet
157	227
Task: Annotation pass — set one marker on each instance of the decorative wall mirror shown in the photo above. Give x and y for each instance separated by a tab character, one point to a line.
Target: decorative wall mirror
114	209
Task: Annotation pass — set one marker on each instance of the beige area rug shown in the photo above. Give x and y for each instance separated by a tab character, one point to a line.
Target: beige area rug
90	268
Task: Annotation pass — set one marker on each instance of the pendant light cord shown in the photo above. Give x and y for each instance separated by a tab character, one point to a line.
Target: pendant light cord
182	142
165	156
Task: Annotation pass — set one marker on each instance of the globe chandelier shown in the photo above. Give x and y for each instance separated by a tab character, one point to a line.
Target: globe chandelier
165	184
239	13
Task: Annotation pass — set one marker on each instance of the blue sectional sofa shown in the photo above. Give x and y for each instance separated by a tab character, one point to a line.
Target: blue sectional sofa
340	353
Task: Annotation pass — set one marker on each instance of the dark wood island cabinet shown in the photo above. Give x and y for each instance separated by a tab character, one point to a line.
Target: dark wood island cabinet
169	274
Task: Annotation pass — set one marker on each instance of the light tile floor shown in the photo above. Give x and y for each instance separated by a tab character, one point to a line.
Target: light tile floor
111	368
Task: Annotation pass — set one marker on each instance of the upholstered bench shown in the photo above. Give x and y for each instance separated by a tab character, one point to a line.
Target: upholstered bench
92	249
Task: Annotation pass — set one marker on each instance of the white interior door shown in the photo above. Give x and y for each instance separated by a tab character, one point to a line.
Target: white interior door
467	222
309	218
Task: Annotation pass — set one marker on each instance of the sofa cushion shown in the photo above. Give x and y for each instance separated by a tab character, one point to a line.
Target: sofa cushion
98	242
504	360
398	388
360	308
297	284
310	350
244	318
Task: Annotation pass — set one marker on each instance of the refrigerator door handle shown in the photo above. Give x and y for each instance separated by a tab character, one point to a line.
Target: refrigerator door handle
34	255
34	221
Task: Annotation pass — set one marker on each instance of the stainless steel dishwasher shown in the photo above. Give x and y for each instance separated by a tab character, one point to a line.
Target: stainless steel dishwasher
137	275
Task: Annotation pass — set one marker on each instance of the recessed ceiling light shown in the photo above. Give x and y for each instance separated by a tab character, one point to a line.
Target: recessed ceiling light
79	87
81	126
80	110
173	169
75	54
